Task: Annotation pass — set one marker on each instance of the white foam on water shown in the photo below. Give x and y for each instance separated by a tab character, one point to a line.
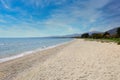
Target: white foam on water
30	52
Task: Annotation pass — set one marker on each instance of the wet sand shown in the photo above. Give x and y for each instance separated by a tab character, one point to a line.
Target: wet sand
77	60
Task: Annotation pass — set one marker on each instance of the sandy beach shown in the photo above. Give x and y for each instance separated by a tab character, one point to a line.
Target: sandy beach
77	60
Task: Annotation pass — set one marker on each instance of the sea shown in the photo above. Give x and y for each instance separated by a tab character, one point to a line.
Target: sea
11	48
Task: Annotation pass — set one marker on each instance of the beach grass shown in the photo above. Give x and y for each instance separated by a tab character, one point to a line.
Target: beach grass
116	40
78	60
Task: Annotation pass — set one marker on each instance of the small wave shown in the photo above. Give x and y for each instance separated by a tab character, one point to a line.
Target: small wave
30	52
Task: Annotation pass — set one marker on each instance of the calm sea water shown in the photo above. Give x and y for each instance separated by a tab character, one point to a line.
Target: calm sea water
15	46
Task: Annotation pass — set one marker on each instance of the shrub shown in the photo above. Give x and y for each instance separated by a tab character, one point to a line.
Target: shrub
97	35
118	43
106	35
85	35
118	32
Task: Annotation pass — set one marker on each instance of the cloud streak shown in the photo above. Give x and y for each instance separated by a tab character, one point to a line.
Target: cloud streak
51	17
5	4
72	15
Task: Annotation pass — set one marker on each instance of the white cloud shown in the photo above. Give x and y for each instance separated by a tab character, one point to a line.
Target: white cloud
5	4
72	18
22	31
73	14
2	21
43	3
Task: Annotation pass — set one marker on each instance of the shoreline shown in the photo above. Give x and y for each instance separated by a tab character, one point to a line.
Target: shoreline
11	68
77	60
31	52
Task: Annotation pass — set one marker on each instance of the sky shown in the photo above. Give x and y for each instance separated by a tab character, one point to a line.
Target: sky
39	18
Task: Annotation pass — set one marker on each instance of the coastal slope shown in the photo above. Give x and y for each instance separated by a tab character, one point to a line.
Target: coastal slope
80	60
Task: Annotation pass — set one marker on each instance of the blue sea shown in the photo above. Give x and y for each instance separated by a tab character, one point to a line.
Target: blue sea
14	46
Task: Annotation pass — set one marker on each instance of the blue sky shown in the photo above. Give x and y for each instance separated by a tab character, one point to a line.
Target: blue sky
34	18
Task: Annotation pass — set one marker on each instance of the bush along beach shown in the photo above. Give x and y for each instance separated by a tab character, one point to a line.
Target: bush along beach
108	36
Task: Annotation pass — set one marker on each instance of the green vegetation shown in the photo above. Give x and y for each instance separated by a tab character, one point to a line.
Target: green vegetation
106	35
85	35
96	35
116	40
118	32
103	37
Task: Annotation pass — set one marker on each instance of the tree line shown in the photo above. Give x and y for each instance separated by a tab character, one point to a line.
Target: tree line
101	35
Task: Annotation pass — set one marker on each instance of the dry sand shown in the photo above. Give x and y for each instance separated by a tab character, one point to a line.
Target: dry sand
78	60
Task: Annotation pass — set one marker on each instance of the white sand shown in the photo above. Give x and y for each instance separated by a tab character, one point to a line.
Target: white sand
80	60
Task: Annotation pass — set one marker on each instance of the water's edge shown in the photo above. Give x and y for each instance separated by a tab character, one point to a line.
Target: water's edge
31	52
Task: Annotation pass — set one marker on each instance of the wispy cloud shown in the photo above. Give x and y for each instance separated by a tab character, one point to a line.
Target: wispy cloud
2	21
5	4
44	3
78	15
52	17
22	30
